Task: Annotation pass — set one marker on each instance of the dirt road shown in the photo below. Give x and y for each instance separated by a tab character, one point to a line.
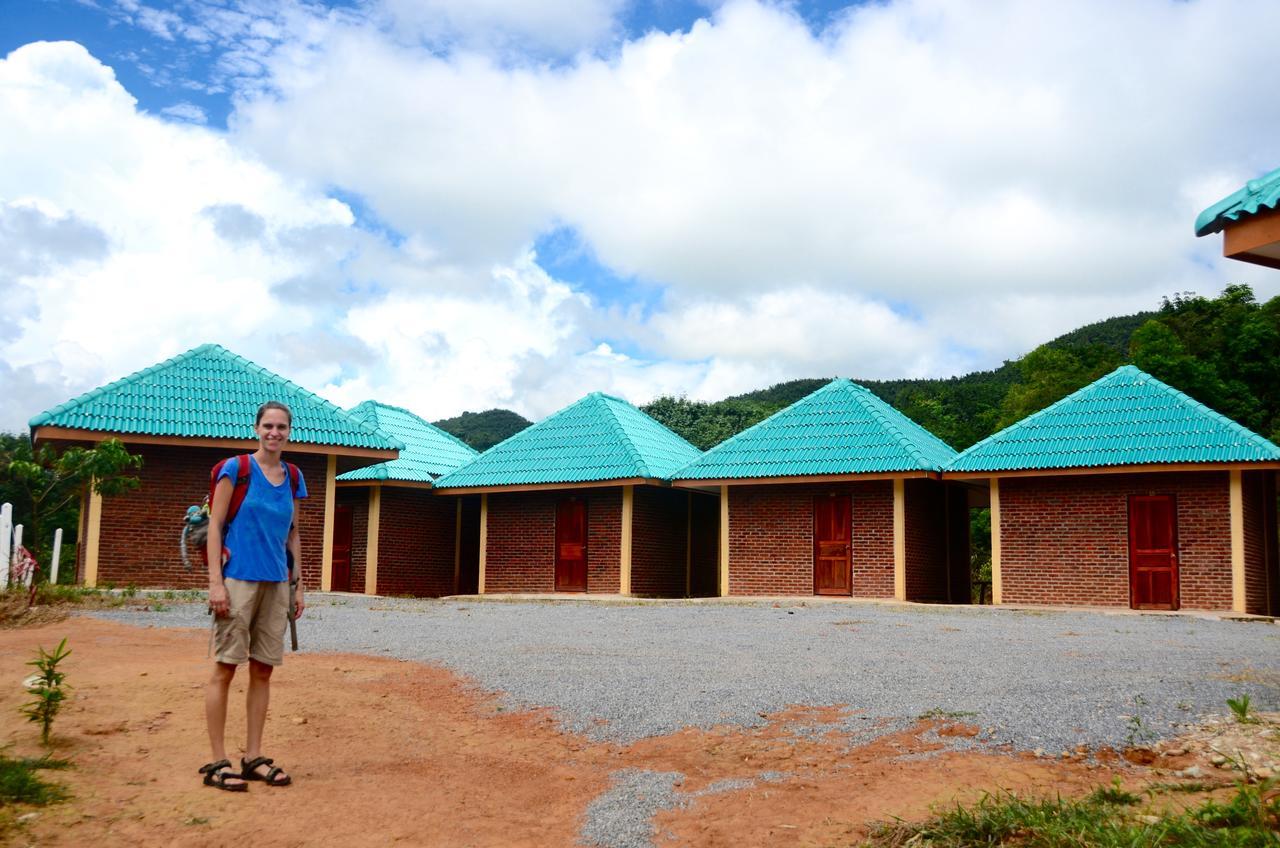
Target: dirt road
387	751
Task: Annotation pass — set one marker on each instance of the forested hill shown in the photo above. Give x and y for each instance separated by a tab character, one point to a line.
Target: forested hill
483	430
1223	351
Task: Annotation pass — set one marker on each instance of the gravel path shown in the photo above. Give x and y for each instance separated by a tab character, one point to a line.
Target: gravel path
1035	679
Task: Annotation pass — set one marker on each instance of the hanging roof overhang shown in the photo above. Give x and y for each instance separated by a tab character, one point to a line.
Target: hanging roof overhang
1249	220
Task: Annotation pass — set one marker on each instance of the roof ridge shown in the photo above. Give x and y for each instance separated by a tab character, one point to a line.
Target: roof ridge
80	399
997	436
742	434
876	405
1257	438
618	428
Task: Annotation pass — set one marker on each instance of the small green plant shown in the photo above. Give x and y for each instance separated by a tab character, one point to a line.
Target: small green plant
1114	795
130	591
19	783
1137	732
1240	709
48	689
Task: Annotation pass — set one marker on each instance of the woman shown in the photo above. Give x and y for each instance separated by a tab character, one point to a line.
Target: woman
249	594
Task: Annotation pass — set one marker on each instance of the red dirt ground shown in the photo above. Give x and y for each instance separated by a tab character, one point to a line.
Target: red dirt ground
385	751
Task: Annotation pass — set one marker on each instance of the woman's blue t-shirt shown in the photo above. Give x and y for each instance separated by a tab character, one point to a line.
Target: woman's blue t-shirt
257	536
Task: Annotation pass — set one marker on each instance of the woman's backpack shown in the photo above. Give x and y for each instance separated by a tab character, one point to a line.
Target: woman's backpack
195	524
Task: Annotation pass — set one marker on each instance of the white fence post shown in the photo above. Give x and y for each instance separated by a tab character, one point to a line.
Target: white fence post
6	529
57	554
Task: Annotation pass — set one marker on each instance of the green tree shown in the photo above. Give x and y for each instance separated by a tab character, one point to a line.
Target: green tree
50	483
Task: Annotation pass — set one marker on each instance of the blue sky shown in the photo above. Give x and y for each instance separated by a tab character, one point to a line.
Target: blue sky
454	205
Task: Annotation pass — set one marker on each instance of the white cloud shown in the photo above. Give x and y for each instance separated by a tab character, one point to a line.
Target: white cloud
186	111
921	188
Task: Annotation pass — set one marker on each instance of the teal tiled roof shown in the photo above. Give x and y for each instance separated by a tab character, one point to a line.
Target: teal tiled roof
428	450
1126	418
595	439
1257	196
209	392
842	428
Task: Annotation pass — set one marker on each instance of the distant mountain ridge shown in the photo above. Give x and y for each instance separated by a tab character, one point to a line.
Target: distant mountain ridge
706	424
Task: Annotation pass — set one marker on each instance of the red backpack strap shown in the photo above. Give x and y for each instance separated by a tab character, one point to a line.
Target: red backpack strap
295	477
238	494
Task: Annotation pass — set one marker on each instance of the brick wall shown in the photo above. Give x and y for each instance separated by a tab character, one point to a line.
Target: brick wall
926	540
659	538
140	529
416	543
771	538
521	540
1065	540
356	497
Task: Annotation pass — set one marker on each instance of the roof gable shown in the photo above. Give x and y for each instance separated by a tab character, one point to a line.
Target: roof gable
842	428
1127	417
1254	197
209	392
428	451
597	438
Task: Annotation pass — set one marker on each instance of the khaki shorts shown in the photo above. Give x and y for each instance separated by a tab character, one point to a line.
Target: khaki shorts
256	624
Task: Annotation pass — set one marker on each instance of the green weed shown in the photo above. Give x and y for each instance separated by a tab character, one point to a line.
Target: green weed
940	714
19	783
48	689
1240	709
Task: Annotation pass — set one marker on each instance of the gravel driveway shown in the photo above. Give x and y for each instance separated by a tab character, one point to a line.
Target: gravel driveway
1036	679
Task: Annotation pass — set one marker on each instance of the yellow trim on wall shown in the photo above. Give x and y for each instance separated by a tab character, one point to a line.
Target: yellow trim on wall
1237	542
371	541
624	553
93	536
995	541
724	541
330	502
900	539
484	540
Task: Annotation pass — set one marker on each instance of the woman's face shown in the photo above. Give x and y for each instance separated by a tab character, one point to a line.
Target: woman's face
273	430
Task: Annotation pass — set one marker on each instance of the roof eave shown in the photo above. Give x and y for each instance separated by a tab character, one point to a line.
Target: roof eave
852	477
1131	468
64	434
543	487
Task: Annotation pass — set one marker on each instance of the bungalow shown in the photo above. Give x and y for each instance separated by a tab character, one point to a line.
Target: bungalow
580	502
1129	493
1249	220
182	416
838	494
391	534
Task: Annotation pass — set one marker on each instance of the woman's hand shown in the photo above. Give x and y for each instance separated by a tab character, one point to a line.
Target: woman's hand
299	603
219	600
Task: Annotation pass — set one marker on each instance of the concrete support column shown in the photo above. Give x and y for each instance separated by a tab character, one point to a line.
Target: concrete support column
996	588
900	539
371	541
624	548
330	504
724	542
484	539
1237	541
93	536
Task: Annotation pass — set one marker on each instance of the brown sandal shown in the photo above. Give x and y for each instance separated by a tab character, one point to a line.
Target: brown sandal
217	774
271	778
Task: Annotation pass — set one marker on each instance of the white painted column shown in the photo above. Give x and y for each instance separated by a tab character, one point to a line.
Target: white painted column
6	536
57	555
996	588
900	539
1237	542
724	541
624	552
92	537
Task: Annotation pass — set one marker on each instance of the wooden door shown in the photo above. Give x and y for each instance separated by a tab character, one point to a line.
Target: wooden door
571	546
1153	552
469	547
832	545
342	533
704	545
